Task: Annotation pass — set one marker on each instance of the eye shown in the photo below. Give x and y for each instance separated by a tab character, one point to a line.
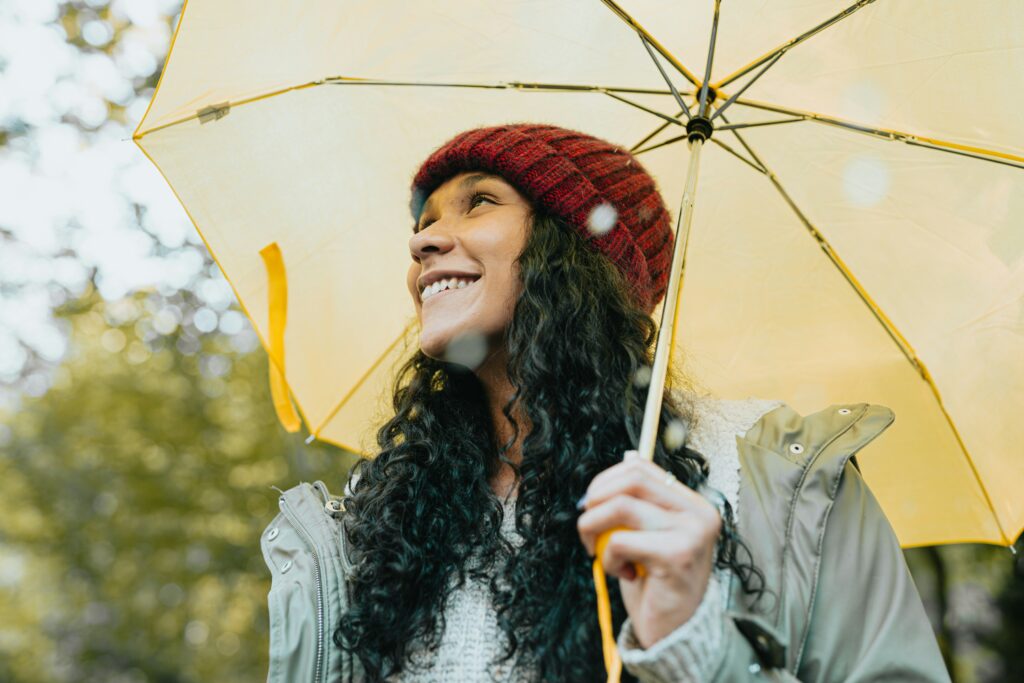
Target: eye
476	198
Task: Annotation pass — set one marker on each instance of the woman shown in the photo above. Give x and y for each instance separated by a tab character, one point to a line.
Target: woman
462	551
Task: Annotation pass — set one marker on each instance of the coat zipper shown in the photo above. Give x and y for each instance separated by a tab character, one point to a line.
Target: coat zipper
293	518
346	567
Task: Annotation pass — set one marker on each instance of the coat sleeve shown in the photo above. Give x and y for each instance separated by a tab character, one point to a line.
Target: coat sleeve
867	620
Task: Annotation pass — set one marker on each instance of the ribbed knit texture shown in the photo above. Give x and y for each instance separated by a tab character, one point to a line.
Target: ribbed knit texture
691	653
568	174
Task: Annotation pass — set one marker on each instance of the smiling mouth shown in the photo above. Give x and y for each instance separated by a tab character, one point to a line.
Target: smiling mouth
463	284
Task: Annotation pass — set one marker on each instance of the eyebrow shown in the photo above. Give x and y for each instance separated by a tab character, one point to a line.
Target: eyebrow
466	183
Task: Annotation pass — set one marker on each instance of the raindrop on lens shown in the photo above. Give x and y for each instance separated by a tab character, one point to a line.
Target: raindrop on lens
674	436
642	377
602	218
866	181
467	349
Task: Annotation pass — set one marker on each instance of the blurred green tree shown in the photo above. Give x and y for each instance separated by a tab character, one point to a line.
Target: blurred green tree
136	490
1006	637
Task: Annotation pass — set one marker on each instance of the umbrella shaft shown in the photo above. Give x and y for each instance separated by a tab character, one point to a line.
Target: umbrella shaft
663	348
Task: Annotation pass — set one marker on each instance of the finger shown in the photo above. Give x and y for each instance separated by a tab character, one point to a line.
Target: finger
642	479
665	553
622	511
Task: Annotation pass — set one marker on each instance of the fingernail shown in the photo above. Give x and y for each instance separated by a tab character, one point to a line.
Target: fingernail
630	455
581	504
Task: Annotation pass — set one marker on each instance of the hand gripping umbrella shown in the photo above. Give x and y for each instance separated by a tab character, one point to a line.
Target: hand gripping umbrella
858	236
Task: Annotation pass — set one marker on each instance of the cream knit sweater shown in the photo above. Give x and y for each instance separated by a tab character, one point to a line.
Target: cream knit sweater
472	637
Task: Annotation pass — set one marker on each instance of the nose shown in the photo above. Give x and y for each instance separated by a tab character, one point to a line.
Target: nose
434	240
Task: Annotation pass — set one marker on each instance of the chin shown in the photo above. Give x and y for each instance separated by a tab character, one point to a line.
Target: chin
462	345
434	342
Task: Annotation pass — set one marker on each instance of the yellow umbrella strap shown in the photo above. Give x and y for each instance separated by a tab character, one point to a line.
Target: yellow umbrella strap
612	661
277	293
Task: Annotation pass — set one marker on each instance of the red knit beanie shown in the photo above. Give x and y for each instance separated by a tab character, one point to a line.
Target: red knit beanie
570	174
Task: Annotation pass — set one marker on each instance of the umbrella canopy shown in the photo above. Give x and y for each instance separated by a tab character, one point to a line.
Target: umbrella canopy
856	235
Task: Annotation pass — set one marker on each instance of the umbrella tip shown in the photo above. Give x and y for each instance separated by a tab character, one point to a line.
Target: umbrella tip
310	439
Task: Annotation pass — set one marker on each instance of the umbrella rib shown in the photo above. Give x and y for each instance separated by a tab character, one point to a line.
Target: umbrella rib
737	126
739	156
221	109
785	47
641	107
359	383
661	70
650	135
663	143
718	142
749	83
981	153
632	23
703	100
887	324
834	257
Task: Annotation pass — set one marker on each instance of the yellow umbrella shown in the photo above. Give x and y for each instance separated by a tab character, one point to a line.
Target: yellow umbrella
856	235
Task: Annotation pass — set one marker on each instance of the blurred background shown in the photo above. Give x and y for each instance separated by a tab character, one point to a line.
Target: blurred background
138	445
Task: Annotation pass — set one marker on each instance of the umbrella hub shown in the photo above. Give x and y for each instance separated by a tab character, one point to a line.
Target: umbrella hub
699	127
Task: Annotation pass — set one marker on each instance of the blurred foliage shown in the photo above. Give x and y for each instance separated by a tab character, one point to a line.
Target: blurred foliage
979	632
136	490
1006	638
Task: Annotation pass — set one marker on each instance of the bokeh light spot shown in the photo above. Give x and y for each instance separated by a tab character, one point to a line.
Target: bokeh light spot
866	181
467	349
674	435
602	219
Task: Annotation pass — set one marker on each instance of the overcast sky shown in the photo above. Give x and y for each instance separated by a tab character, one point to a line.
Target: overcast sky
66	193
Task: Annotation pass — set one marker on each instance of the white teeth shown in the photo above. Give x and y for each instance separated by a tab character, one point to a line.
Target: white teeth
441	285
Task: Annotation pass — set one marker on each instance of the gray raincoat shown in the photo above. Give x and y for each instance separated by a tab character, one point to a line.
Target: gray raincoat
845	606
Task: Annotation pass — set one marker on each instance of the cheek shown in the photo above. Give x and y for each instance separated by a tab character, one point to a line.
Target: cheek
410	279
507	292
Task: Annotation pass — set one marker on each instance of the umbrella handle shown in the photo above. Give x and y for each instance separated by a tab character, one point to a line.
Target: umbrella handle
612	661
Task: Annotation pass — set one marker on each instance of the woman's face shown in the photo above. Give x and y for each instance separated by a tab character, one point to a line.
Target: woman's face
472	229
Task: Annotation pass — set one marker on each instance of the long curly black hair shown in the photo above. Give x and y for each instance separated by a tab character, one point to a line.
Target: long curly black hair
423	506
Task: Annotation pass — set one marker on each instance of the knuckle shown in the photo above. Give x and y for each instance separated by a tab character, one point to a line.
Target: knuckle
635	483
616	546
619	504
682	556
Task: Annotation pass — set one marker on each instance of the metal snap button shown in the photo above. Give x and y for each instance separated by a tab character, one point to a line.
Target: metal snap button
754	668
273	534
844	411
286	566
796	449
